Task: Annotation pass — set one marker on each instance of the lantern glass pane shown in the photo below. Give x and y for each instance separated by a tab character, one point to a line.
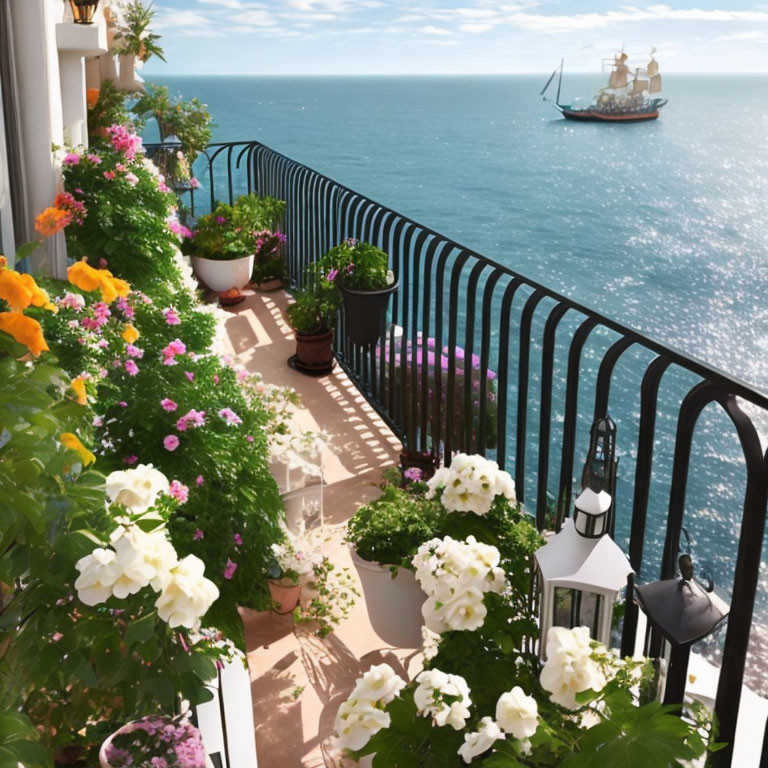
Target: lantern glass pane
574	608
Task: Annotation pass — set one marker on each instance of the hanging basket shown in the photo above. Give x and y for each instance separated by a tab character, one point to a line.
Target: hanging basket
365	313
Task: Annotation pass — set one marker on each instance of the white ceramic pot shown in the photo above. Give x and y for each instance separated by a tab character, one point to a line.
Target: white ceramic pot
128	81
394	604
222	275
104	763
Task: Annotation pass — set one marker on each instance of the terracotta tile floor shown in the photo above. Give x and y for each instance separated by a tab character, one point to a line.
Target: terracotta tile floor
298	680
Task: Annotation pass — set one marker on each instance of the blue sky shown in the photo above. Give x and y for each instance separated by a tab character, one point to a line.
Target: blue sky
453	36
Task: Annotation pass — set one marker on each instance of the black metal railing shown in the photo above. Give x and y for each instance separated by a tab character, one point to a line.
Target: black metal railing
481	359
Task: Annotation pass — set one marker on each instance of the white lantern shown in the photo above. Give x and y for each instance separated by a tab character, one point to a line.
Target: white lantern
590	513
581	578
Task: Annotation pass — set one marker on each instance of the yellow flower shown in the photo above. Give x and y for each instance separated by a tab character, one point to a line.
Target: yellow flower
71	441
130	334
84	276
39	297
108	292
25	330
3	261
78	386
121	286
14	290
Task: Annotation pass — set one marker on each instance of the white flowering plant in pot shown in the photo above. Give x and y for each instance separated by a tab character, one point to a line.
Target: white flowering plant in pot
330	591
585	708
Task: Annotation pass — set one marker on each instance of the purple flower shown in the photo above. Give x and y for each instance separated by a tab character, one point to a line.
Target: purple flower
171	317
413	473
198	535
221	220
199	480
131	368
230	569
133	351
130	460
171	442
332	275
238	540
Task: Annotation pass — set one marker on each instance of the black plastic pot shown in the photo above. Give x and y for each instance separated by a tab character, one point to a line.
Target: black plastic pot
365	313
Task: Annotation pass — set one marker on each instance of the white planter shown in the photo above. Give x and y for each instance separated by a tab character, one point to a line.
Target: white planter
128	81
104	763
222	275
394	604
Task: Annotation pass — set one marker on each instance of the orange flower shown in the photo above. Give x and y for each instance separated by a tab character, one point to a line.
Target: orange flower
51	221
25	330
39	297
78	387
91	97
84	276
14	290
71	441
108	292
3	261
130	334
121	286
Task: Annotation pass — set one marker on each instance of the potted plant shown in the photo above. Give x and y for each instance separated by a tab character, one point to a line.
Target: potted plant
360	270
268	267
295	557
312	316
134	40
172	742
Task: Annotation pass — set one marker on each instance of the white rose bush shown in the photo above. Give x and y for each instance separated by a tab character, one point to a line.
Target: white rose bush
484	697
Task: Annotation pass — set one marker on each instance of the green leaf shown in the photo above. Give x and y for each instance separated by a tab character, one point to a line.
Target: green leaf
141	630
202	666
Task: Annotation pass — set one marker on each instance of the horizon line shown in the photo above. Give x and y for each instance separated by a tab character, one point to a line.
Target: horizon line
439	74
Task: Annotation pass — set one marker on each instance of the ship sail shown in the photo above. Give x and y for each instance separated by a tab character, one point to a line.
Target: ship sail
638	86
655	85
653	74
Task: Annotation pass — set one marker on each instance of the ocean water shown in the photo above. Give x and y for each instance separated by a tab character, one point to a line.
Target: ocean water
663	226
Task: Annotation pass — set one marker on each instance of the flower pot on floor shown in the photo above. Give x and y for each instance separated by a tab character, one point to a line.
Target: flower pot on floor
221	275
365	313
285	595
314	352
394	604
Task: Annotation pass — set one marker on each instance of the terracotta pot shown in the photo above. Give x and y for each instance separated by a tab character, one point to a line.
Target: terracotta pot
222	275
365	313
314	350
393	604
285	595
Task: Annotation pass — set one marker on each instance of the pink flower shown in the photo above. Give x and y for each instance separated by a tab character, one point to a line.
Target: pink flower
169	313
230	416
130	460
72	301
103	373
230	569
176	347
124	141
171	442
249	438
110	175
332	275
132	179
103	344
71	159
198	535
95	159
123	404
181	424
238	540
98	421
199	480
189	375
120	167
179	491
168	404
215	379
117	362
125	307
131	368
194	183
134	351
413	473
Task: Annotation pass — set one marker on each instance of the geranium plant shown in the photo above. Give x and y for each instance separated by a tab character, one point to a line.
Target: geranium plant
359	266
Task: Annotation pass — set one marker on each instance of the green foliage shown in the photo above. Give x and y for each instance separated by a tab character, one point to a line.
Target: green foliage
315	307
189	121
135	37
234	231
360	266
110	109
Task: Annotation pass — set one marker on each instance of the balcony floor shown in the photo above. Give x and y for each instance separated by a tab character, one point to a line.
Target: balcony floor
298	680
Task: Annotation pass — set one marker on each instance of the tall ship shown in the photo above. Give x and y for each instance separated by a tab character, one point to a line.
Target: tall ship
628	97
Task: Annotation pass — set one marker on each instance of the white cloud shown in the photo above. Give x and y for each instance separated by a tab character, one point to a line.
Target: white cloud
432	30
475	28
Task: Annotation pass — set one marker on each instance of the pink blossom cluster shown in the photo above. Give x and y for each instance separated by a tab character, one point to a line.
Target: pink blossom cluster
179	491
157	742
72	301
192	418
230	416
125	307
171	316
179	229
176	347
124	141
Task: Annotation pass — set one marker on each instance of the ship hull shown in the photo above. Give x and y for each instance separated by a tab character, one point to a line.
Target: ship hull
598	116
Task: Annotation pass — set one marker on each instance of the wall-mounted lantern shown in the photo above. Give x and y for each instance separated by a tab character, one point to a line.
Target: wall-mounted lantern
83	10
683	612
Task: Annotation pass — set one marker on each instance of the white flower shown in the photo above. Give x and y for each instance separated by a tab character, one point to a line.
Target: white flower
464	610
356	722
445	697
570	668
481	741
471	484
144	557
98	572
517	713
136	489
380	684
430	643
187	595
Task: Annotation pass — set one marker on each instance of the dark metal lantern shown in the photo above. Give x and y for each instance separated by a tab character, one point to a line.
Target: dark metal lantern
593	509
83	10
683	612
